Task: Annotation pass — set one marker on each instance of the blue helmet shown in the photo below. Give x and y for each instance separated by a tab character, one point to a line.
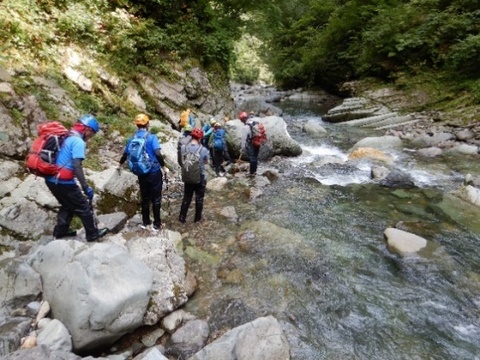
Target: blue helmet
90	121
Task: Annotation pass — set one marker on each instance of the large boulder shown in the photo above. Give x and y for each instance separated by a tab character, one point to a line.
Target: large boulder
98	291
161	256
279	140
261	339
20	284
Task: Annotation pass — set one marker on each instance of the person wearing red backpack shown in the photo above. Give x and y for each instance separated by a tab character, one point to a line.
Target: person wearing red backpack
66	191
246	143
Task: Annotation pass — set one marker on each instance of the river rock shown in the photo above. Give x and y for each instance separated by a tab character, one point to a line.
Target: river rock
167	265
279	140
81	283
55	336
430	151
463	149
403	243
261	339
20	284
398	179
314	129
468	193
189	339
383	143
41	353
370	153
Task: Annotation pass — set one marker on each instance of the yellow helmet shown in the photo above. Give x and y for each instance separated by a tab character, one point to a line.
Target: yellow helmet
187	128
212	121
141	119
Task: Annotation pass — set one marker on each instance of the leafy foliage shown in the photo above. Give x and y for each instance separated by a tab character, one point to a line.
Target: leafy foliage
324	42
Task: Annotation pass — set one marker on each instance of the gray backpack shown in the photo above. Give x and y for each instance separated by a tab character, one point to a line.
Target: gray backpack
191	170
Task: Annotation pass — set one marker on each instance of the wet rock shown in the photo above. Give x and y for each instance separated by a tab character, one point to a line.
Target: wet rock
369	153
402	242
398	179
430	152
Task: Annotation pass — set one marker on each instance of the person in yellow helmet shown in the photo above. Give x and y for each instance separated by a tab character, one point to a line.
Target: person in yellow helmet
146	161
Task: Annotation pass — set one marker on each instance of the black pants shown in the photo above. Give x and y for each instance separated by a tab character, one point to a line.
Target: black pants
151	193
252	153
189	190
72	202
217	160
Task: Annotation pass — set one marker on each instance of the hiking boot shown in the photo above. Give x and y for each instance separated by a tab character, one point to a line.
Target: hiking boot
143	227
69	233
157	228
101	233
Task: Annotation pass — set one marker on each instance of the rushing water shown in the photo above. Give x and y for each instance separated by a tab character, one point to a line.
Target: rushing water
311	252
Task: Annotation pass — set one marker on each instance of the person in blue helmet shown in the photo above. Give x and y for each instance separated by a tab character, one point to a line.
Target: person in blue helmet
66	191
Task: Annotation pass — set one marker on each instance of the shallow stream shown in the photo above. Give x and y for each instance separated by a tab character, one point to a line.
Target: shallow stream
311	252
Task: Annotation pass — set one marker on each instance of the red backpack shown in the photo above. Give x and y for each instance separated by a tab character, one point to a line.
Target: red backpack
258	134
44	150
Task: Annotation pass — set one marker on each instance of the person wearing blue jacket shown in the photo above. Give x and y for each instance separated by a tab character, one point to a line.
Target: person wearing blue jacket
66	191
152	182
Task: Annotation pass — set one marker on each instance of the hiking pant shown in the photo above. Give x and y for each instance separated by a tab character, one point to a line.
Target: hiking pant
217	160
72	202
151	192
189	190
226	155
252	153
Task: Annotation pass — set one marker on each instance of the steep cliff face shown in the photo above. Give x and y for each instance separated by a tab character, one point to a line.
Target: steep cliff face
30	94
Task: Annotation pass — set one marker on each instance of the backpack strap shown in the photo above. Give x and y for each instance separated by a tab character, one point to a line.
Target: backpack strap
251	124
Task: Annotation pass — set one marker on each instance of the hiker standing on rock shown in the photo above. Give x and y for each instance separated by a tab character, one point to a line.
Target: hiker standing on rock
146	161
68	194
218	145
246	143
194	158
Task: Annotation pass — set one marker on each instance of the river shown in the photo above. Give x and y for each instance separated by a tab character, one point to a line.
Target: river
311	252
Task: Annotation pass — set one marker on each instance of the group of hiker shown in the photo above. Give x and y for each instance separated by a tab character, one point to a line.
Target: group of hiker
197	147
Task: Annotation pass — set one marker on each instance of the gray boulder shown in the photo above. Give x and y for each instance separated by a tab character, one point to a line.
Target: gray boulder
160	255
98	290
261	339
279	140
383	143
398	179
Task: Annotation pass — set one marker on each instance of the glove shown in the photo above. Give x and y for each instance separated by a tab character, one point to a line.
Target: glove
89	192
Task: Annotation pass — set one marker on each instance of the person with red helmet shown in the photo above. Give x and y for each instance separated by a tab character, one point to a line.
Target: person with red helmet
246	145
193	160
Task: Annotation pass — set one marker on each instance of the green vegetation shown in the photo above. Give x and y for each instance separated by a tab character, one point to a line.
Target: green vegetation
132	36
326	42
307	43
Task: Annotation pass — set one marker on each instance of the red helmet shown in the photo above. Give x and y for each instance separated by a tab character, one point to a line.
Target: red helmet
197	133
242	115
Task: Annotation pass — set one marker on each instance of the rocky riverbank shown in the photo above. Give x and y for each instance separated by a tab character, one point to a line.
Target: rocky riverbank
91	296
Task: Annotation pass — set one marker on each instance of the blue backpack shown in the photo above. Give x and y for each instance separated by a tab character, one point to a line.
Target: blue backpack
138	160
219	139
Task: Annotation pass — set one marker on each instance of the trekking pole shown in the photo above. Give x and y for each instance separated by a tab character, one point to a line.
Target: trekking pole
165	180
90	204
